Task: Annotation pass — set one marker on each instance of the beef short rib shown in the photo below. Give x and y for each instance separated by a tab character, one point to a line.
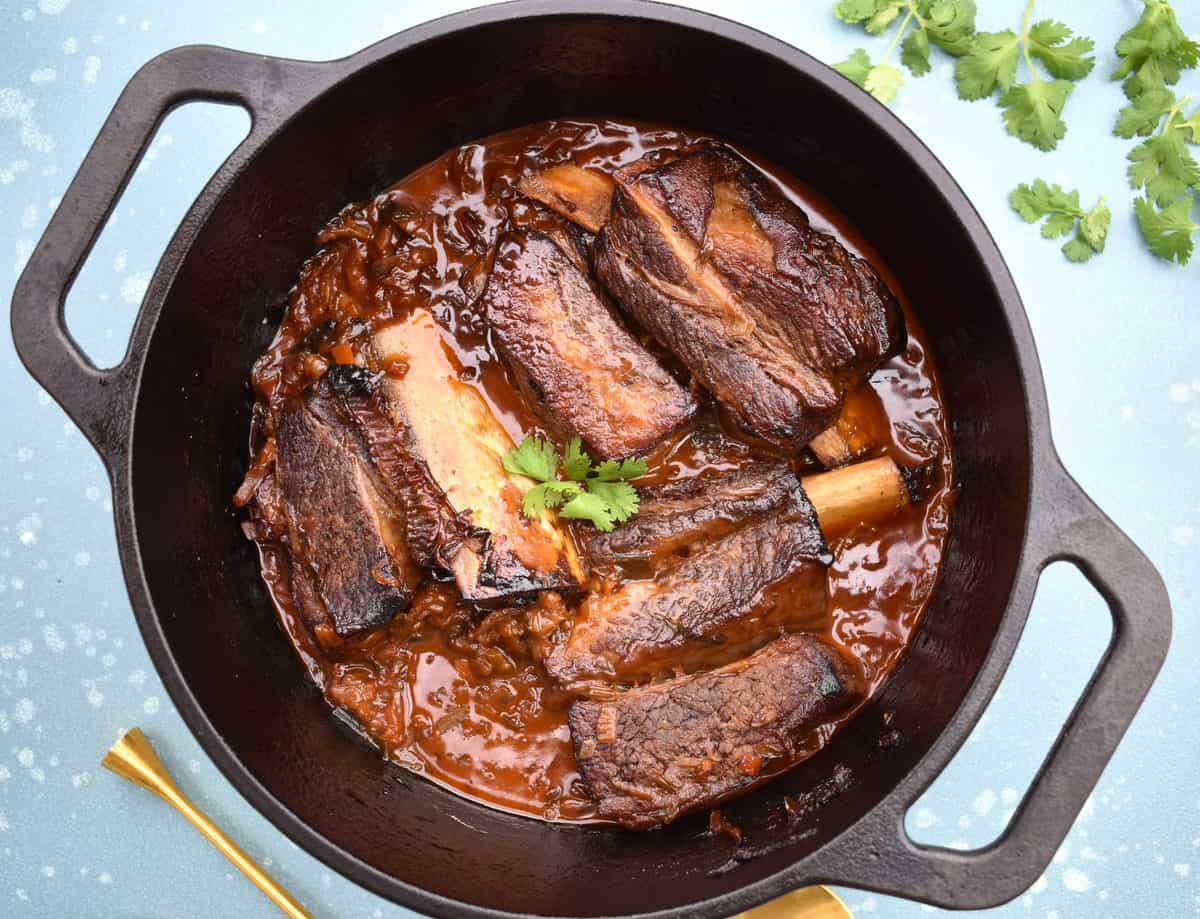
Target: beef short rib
439	444
675	516
724	598
574	361
653	753
348	551
777	320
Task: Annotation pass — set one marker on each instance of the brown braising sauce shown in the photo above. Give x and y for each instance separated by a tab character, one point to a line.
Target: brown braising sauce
456	693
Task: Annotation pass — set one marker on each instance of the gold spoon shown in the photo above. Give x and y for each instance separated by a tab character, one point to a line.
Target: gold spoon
132	757
805	903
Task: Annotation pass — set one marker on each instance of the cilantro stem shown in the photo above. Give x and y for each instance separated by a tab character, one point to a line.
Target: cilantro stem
912	11
1175	111
1023	38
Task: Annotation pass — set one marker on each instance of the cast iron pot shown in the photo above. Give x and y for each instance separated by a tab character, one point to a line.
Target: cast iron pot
171	422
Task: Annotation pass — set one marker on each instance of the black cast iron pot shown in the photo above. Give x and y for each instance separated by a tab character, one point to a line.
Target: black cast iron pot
171	423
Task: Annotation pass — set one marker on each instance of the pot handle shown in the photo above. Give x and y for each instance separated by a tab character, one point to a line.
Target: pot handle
100	401
877	854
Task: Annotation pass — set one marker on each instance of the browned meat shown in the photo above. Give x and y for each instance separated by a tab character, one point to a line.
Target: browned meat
440	445
677	515
580	195
345	537
653	753
570	356
724	598
774	318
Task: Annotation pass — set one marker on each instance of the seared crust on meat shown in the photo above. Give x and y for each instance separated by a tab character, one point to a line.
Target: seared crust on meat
654	753
777	320
575	362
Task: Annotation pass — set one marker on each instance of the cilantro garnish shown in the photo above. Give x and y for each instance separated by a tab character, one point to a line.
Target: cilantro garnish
1153	54
1032	110
1064	214
949	24
600	494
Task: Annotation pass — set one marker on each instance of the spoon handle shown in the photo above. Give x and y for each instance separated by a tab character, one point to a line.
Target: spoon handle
132	757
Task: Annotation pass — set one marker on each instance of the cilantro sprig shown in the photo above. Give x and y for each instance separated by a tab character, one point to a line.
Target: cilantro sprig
1032	110
1064	214
1153	54
949	24
598	493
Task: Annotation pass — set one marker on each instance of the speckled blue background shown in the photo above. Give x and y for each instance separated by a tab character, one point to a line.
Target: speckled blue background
1118	341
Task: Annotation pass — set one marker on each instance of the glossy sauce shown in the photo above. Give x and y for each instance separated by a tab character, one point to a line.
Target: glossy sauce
457	694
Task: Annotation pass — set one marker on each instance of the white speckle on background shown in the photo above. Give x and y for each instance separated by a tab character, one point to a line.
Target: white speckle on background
1182	535
150	706
24	711
48	871
70	45
26	758
28	529
144	25
83	558
91	69
54	641
1181	392
43	75
137	677
1182	870
95	697
28	14
1076	881
925	818
80	779
964	822
120	260
105	878
984	802
260	26
4	824
53	7
133	288
1127	412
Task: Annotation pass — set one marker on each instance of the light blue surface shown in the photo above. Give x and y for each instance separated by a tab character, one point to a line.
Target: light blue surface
1118	342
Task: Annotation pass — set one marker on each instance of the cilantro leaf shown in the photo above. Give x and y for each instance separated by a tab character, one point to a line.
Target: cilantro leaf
612	471
1033	111
991	62
1062	210
854	10
914	52
1154	50
1163	165
598	494
1191	124
576	463
1168	232
1144	113
547	495
534	458
621	498
1077	250
950	24
1093	226
883	82
855	67
589	506
1058	225
1069	61
885	13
